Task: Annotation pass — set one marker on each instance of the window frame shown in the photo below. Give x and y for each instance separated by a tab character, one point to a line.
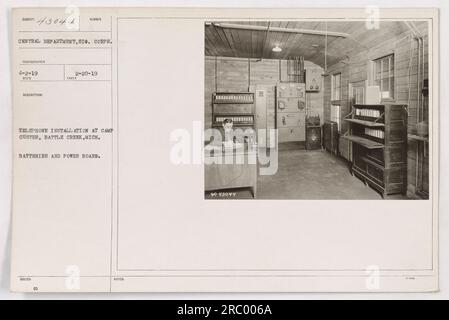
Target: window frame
372	78
333	100
338	118
353	86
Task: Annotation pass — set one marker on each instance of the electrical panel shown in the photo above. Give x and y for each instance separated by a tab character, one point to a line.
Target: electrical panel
313	80
290	111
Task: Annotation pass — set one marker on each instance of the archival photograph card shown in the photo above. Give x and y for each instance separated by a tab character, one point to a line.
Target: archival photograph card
225	150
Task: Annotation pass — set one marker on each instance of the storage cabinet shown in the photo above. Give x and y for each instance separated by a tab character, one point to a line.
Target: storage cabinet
379	146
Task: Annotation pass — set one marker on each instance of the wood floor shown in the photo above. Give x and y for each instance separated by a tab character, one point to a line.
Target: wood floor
308	175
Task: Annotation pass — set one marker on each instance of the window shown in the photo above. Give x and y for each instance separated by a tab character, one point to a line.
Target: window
384	76
357	92
335	115
336	87
359	95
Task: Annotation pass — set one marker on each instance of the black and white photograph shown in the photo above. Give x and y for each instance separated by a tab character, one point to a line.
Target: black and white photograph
317	109
244	151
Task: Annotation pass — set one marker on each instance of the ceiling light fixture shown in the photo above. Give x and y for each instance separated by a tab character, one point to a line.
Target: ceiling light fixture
277	49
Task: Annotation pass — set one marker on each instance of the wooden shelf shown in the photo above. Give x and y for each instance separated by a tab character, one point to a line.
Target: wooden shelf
249	124
367	143
233	98
233	102
224	114
238	106
238	119
417	138
366	123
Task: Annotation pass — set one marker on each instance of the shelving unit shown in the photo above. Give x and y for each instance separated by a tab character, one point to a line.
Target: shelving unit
237	106
240	108
379	137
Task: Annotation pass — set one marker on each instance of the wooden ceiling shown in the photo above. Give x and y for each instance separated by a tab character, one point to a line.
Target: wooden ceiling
229	42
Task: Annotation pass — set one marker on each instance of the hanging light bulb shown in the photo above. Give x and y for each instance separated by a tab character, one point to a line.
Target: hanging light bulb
277	49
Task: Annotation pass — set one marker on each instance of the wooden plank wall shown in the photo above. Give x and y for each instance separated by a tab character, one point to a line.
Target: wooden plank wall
355	68
238	75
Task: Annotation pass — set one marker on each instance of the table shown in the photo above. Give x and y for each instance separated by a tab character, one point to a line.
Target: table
228	168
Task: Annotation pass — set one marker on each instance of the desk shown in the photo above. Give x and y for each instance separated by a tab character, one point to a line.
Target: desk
230	168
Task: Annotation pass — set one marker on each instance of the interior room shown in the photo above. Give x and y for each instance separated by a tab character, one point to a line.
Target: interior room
316	110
